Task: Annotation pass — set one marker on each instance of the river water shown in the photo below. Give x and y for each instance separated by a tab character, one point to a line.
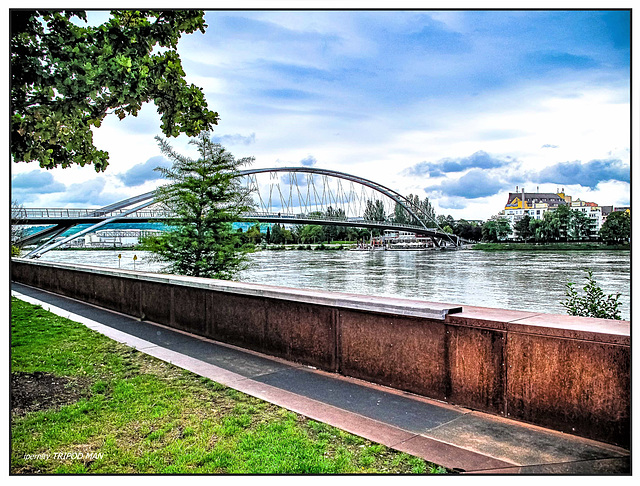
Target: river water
523	280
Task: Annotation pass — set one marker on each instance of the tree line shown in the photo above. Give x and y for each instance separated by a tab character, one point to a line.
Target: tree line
561	225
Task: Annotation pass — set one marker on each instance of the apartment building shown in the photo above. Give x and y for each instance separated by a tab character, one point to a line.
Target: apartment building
536	204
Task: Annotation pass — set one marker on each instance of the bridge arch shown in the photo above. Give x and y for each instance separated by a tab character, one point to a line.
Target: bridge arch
283	198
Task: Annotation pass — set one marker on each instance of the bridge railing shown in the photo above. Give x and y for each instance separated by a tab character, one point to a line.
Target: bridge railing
327	218
25	214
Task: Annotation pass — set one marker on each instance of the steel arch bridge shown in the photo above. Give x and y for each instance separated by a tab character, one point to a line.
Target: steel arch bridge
288	195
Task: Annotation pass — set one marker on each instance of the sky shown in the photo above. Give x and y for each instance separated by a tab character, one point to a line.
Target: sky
459	106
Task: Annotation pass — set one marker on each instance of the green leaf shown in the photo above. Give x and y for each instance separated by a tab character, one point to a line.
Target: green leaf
96	66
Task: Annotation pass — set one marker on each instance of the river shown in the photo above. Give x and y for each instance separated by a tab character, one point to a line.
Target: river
523	280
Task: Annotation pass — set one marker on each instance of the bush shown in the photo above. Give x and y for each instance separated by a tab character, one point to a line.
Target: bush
594	303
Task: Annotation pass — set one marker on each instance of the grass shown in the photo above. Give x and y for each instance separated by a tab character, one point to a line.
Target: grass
569	246
137	414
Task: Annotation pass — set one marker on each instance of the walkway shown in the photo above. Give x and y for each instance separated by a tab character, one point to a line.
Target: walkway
451	436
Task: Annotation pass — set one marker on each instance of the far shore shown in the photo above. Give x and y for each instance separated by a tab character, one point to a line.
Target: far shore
567	246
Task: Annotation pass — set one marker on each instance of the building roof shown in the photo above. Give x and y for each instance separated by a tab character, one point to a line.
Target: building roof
531	198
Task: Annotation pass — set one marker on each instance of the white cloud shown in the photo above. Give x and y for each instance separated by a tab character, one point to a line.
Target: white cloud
374	93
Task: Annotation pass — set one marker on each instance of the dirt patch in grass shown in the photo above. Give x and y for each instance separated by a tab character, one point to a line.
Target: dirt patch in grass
36	391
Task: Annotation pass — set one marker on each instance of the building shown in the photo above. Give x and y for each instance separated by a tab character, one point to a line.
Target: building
533	204
536	204
111	238
592	210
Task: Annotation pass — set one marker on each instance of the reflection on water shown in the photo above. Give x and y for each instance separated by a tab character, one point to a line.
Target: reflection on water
524	280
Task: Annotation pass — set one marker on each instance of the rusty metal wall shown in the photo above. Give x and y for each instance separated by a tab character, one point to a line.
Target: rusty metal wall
567	378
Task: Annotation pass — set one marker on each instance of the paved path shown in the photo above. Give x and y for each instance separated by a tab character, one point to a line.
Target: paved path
451	436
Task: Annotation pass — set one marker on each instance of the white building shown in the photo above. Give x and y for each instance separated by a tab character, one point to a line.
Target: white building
536	204
110	238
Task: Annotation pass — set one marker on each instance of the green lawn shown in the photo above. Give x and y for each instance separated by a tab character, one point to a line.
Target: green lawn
118	411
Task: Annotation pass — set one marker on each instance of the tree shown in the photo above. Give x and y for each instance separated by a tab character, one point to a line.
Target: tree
538	230
374	211
335	232
448	220
312	233
496	229
580	226
66	78
617	228
401	215
468	230
523	228
550	228
276	235
254	235
561	221
206	198
428	214
18	230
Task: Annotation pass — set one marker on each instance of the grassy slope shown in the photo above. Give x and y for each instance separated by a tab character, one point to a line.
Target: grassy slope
571	246
147	416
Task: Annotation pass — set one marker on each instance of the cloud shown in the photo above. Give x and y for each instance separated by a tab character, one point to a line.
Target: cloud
473	185
309	161
299	73
91	193
288	94
548	145
563	60
500	134
479	160
235	139
589	174
452	203
434	36
301	179
141	173
26	187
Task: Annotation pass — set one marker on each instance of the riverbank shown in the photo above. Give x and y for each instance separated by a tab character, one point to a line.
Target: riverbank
82	403
571	246
319	246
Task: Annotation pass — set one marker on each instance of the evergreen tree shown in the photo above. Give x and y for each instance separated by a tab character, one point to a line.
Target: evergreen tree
400	214
206	198
374	211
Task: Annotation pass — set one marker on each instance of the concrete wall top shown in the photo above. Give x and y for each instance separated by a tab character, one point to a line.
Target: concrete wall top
385	305
555	325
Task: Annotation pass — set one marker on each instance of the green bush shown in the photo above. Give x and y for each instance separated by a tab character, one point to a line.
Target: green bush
594	303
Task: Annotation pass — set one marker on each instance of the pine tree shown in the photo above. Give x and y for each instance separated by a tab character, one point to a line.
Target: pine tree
205	197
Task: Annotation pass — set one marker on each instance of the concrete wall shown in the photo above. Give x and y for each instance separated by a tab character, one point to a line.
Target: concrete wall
567	373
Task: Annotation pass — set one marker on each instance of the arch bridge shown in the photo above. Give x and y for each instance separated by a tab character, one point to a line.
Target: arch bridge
288	195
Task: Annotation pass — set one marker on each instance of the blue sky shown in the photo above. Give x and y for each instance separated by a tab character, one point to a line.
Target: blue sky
458	106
